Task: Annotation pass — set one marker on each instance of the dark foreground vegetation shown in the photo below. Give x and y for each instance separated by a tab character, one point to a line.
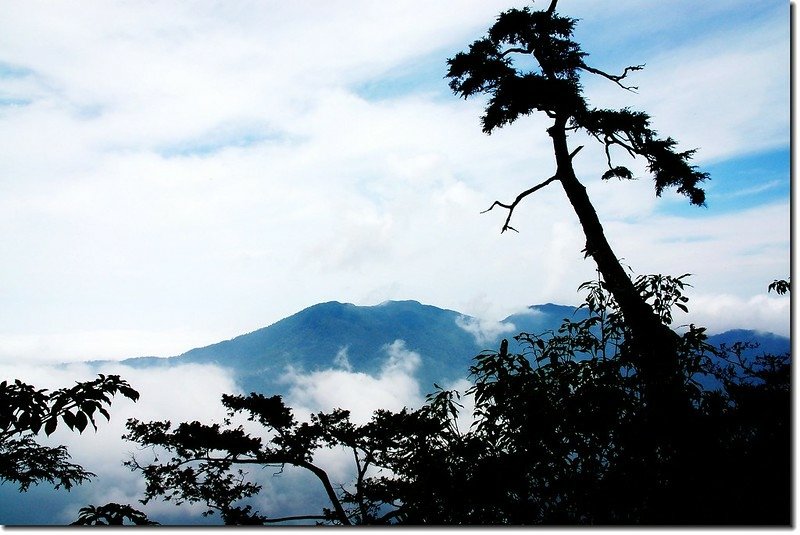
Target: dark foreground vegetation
559	437
603	422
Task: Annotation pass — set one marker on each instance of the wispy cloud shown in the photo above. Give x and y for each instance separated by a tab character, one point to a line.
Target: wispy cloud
484	331
393	388
171	170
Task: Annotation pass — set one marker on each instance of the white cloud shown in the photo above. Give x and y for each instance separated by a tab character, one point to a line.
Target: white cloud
719	313
734	253
484	331
342	360
393	388
725	92
185	174
77	346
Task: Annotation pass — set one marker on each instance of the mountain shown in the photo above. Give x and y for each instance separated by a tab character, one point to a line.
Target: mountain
337	334
767	342
312	339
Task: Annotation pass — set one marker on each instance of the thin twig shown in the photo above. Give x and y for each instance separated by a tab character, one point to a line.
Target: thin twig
616	78
510	207
288	518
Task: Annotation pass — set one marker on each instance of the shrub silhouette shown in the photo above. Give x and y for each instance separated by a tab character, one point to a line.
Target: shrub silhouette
558	437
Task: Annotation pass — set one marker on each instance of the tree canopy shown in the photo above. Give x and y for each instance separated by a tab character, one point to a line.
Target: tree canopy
549	82
553	87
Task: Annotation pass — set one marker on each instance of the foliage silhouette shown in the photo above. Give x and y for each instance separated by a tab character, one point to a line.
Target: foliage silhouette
780	286
557	438
497	66
26	411
112	514
601	422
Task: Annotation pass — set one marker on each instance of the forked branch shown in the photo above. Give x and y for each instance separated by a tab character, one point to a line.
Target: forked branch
616	78
510	207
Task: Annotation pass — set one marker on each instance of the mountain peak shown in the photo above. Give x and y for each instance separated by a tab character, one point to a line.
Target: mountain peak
445	340
400	302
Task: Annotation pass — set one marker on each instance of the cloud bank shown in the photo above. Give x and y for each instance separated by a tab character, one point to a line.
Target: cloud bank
192	392
178	175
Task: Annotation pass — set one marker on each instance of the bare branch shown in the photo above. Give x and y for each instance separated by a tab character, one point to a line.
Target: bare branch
607	148
288	518
616	78
323	477
610	139
516	50
510	207
552	7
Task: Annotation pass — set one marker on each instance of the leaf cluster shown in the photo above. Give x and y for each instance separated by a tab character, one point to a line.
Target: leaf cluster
488	67
25	411
780	286
112	514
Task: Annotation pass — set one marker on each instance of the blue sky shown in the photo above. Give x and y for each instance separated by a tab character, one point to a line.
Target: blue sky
173	176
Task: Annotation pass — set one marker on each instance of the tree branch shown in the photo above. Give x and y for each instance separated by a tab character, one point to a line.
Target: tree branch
288	518
510	207
323	477
576	151
517	50
319	472
362	470
616	78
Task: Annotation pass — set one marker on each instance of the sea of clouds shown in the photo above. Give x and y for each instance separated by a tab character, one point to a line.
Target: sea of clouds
192	392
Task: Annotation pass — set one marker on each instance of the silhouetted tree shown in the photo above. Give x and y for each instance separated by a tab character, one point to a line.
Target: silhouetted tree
556	439
26	411
497	66
602	422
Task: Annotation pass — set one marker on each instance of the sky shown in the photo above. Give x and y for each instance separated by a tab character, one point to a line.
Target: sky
174	174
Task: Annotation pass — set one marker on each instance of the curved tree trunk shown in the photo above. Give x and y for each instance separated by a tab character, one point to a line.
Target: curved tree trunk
654	343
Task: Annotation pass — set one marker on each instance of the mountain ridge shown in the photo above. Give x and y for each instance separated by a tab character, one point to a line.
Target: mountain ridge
446	340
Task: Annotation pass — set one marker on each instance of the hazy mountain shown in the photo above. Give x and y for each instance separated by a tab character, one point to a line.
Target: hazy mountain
311	340
767	342
337	334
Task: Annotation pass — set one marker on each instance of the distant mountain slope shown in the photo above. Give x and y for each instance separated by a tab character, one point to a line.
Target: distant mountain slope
312	338
539	319
767	342
445	340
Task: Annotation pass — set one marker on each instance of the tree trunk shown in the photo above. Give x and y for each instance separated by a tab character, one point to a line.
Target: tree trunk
653	343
